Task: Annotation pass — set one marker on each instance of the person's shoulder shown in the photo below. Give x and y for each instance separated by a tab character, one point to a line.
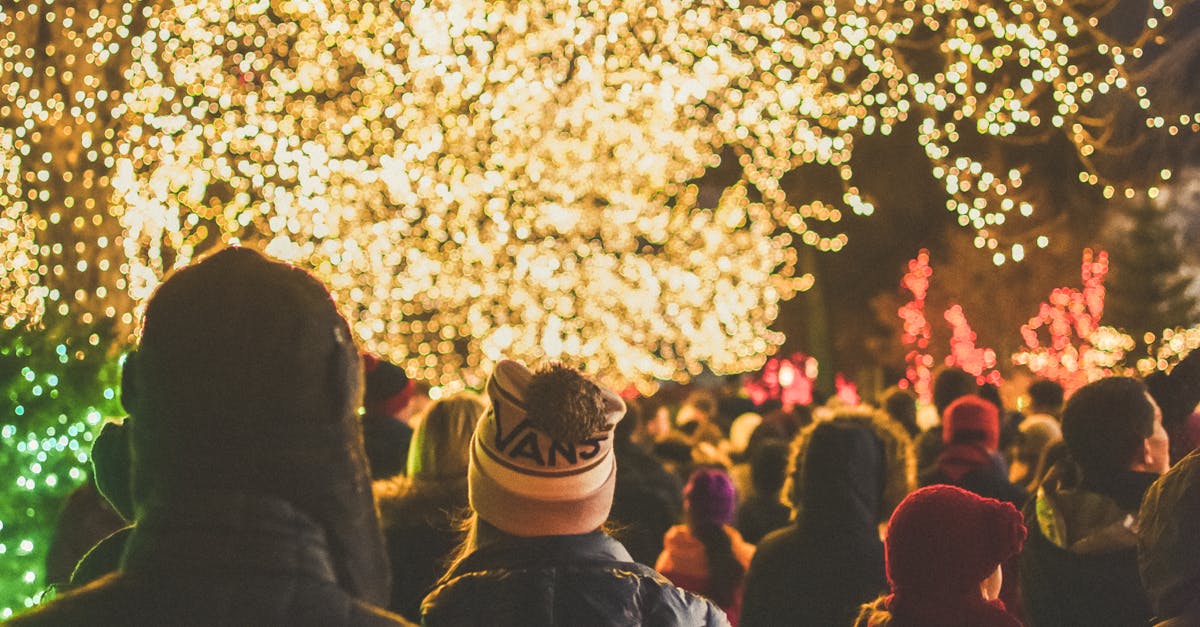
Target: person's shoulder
103	602
663	603
785	536
636	589
362	614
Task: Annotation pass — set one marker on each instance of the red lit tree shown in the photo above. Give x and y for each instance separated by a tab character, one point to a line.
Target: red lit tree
917	330
1059	338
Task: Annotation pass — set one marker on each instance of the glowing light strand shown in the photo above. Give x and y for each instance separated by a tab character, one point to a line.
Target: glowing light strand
917	330
405	151
1059	338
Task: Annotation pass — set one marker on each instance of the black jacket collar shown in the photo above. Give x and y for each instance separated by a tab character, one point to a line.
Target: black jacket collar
227	533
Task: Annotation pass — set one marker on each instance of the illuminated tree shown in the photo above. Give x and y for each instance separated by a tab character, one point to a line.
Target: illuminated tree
476	178
1059	339
918	371
964	354
61	76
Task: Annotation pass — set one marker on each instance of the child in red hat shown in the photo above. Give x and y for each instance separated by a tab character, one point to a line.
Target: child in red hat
943	552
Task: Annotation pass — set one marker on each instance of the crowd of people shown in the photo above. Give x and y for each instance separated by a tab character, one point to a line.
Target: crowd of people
270	474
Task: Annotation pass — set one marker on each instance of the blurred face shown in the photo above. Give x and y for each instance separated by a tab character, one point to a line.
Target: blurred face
659	425
1157	446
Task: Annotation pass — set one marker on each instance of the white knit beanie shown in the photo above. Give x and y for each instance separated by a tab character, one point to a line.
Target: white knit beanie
541	457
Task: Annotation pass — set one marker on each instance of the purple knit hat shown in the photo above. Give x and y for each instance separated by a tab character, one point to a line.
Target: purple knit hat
710	496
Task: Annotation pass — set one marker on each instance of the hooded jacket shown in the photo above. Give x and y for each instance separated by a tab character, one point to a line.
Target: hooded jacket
219	559
586	579
1168	553
818	570
249	481
420	528
1079	566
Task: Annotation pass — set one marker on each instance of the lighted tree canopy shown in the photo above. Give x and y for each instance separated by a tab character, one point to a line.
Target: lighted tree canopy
484	178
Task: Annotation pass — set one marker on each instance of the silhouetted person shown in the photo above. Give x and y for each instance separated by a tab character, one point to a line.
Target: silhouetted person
949	385
1080	564
421	509
388	396
944	550
541	483
1168	553
764	511
705	554
847	475
250	488
647	499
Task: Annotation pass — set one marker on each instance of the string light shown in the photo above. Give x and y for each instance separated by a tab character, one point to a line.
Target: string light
918	371
54	397
475	179
979	361
1064	341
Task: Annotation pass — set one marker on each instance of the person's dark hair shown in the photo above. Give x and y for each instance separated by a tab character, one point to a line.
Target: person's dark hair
784	423
675	450
901	406
1105	423
768	468
1046	396
381	380
951	384
724	571
802	415
990	393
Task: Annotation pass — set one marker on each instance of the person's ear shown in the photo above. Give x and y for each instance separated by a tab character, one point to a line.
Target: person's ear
1144	460
129	391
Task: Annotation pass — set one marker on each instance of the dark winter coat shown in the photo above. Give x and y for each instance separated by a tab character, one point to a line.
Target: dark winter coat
647	500
420	528
761	515
820	569
1079	565
231	559
386	441
577	580
974	469
1168	551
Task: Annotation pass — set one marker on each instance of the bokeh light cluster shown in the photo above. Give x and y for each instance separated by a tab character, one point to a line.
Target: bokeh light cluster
53	397
61	67
977	360
1064	341
535	179
917	331
1168	348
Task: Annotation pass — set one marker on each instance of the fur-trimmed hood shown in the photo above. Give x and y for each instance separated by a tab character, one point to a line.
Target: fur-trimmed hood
896	470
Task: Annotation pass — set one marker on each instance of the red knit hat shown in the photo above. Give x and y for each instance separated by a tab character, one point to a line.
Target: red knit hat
943	541
975	415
